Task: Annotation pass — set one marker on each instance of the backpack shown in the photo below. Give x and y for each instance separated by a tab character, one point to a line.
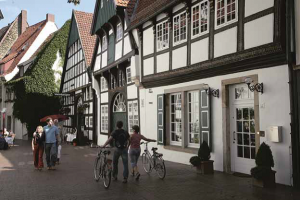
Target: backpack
121	139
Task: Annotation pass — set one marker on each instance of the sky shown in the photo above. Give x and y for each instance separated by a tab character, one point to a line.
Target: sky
37	10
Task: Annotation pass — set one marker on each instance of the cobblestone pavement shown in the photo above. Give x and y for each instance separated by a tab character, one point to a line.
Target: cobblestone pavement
73	179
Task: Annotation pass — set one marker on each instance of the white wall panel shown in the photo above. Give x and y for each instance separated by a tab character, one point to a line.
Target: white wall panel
161	16
163	62
226	42
199	51
179	58
132	92
127	45
148	42
255	6
97	63
178	7
104	97
118	51
259	32
148	66
147	24
104	59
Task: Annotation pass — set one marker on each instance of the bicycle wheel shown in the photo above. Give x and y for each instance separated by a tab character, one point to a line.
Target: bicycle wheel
97	168
106	175
160	168
146	162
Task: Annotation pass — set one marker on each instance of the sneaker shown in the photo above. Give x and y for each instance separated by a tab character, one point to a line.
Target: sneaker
137	176
124	180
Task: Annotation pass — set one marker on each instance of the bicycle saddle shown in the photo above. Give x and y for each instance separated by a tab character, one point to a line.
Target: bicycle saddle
154	149
107	152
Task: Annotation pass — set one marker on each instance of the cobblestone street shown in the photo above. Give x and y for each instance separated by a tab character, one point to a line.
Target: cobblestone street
73	179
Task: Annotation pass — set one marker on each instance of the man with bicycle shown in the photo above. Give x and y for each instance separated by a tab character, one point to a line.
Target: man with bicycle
121	138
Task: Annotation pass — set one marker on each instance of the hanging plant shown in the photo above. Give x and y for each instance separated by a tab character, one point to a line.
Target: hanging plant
81	108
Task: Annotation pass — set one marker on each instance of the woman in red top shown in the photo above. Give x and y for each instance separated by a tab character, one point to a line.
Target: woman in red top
135	149
38	147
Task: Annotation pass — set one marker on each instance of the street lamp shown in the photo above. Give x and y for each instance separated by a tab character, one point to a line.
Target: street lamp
74	1
259	87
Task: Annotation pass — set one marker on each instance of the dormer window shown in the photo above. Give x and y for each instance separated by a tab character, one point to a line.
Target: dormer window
119	32
226	12
104	43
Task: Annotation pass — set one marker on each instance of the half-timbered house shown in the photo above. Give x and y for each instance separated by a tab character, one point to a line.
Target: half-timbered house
76	80
114	68
216	71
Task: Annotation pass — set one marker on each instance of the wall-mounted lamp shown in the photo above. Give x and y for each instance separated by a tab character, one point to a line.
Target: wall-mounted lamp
214	93
259	87
150	91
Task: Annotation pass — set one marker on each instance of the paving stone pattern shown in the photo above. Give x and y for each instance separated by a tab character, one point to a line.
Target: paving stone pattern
73	180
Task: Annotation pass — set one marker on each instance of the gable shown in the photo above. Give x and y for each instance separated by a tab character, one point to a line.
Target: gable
74	35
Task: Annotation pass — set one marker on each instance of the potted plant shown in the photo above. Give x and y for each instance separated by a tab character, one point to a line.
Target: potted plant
263	175
202	162
74	142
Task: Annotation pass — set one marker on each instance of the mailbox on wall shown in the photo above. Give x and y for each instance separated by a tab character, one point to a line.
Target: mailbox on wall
275	133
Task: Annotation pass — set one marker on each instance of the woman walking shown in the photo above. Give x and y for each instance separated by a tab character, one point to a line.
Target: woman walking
135	149
38	147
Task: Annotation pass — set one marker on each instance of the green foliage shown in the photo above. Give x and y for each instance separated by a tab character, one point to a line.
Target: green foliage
204	152
35	91
195	161
264	161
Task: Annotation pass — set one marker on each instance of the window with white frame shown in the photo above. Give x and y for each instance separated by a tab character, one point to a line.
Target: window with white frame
113	83
104	43
119	32
91	122
121	78
193	119
162	32
200	18
176	119
104	86
226	12
128	75
180	27
104	118
133	114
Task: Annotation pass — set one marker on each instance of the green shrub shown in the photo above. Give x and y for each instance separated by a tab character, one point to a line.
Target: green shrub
204	152
195	161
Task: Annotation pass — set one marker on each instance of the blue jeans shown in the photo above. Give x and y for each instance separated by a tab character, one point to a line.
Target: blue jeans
134	156
124	155
50	149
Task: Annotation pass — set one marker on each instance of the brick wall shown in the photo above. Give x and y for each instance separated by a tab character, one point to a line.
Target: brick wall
9	40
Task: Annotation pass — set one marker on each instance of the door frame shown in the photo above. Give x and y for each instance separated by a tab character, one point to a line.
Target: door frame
226	133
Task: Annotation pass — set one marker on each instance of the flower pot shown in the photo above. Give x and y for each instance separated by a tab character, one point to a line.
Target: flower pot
207	167
266	182
74	144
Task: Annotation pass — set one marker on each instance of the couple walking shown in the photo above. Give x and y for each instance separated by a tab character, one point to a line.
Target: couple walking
122	142
45	138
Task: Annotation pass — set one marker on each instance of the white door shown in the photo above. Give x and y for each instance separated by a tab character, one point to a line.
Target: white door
242	128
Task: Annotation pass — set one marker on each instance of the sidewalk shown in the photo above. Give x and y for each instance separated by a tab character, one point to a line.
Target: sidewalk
73	179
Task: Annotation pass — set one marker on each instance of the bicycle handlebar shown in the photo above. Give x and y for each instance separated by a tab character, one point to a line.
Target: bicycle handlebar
145	142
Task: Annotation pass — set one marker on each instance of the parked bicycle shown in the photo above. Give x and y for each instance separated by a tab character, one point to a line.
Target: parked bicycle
103	167
154	161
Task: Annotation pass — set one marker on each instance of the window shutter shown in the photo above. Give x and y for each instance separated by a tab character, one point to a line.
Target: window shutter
161	136
205	117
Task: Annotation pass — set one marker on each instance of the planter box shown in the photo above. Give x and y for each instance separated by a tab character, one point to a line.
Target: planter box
266	183
206	167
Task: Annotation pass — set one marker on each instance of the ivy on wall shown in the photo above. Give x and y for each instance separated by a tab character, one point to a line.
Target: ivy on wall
34	92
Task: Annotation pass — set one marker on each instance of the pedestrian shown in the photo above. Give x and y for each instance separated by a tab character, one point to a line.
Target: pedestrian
59	141
121	138
38	141
5	132
135	149
51	135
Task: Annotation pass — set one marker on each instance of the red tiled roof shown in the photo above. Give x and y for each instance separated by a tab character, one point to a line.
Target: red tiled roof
84	23
3	31
146	9
122	3
26	39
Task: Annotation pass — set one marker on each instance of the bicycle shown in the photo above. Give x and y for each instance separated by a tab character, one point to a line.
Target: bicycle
102	167
154	161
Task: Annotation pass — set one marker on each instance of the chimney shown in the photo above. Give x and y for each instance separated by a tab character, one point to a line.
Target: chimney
24	23
50	18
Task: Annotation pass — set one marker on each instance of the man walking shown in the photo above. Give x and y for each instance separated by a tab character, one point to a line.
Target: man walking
52	134
121	138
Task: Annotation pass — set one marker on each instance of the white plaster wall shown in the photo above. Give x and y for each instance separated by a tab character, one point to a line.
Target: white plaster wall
97	63
148	41
118	51
57	67
161	16
133	66
99	48
199	51
132	92
255	6
276	95
225	42
127	45
259	32
179	58
178	7
104	97
163	62
102	139
49	28
148	66
146	24
297	30
104	59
